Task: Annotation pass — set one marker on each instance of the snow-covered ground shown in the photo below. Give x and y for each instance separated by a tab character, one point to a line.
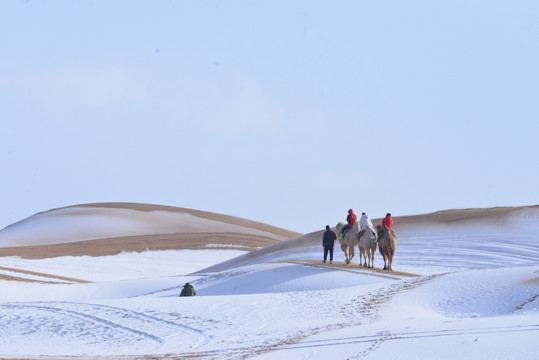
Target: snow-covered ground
476	297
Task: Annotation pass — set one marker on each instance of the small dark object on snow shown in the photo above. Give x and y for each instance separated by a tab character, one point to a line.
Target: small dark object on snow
188	290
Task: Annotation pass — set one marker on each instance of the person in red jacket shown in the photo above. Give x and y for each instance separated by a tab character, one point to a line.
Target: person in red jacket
351	219
387	221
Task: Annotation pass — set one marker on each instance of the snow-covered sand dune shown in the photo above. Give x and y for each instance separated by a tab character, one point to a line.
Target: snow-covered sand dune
475	294
448	240
109	228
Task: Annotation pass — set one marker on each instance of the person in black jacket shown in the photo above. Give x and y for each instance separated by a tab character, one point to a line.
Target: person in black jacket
328	240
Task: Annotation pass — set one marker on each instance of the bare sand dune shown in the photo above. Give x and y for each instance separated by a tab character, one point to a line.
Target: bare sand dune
53	279
113	246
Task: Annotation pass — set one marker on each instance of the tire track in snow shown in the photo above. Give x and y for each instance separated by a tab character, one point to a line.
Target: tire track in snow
123	312
386	336
86	317
102	318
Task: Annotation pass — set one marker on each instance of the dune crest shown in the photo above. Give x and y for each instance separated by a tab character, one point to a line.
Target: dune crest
101	229
109	228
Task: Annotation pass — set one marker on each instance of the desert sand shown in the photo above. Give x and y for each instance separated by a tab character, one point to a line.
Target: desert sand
254	235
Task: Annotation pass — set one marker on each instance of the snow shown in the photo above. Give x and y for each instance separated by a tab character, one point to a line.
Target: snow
125	265
91	223
476	297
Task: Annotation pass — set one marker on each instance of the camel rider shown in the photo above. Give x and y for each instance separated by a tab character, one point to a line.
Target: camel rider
351	219
387	221
364	222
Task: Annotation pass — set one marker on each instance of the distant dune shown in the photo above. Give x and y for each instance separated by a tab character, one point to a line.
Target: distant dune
110	228
426	227
494	214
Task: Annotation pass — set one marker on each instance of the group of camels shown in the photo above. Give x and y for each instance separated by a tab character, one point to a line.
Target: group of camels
367	244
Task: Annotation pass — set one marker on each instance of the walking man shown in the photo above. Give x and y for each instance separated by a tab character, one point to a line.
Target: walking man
328	240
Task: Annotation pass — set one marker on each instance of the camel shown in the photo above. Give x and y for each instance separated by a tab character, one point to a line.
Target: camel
367	247
386	244
348	243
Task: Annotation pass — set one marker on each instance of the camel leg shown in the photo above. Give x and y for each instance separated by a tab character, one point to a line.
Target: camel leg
343	248
367	261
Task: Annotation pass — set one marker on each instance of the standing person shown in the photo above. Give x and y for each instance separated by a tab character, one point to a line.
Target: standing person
350	219
188	290
328	240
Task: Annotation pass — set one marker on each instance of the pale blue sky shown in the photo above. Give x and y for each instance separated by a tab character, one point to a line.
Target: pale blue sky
284	112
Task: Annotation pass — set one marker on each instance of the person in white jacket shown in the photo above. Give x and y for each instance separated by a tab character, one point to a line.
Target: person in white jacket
365	221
